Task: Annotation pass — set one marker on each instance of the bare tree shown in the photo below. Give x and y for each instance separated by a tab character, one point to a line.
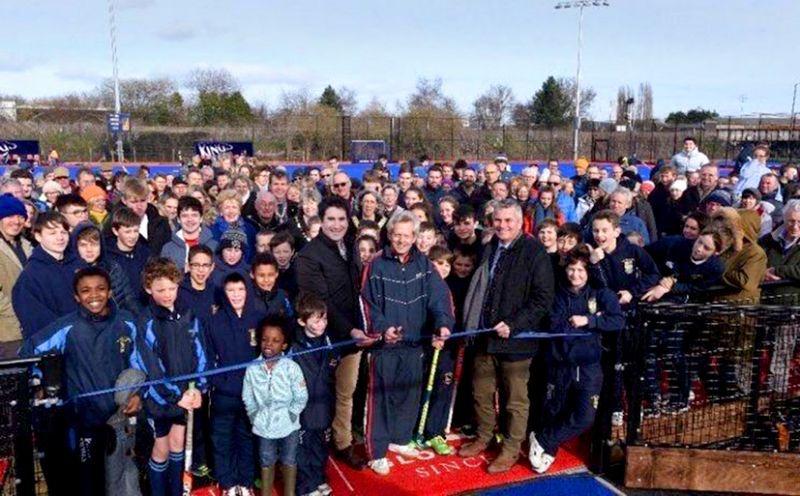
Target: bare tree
588	94
296	102
429	95
624	93
137	95
493	108
348	100
212	81
644	104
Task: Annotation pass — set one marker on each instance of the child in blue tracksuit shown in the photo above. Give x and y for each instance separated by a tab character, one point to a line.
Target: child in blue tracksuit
232	340
318	370
574	373
98	342
274	394
443	385
173	338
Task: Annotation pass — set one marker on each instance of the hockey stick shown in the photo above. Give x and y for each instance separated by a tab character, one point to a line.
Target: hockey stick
459	370
423	417
187	462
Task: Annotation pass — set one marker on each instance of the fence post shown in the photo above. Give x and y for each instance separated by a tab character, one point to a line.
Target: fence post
452	138
728	144
527	141
675	138
391	138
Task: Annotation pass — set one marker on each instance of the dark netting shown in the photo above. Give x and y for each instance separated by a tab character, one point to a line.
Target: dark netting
714	376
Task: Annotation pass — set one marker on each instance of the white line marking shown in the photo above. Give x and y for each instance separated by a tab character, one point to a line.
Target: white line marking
341	474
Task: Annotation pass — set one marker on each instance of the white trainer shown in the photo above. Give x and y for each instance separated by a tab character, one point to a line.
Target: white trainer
546	461
380	466
406	450
535	451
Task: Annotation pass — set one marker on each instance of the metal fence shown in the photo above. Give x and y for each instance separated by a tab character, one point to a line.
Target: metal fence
315	137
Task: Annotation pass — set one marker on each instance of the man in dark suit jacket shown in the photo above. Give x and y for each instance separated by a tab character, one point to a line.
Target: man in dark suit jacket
325	267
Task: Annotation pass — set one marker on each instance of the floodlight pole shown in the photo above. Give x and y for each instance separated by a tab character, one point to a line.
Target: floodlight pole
580	4
115	68
792	121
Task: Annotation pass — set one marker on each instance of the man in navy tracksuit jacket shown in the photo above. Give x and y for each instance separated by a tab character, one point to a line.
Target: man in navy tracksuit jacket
96	349
574	373
400	290
315	421
232	340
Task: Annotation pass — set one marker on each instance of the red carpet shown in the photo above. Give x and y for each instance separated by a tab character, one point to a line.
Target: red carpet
434	475
438	475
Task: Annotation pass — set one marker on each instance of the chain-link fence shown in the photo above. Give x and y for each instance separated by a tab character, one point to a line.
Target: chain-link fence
300	138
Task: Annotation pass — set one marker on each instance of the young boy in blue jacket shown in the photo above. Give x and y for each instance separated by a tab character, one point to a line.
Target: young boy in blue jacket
272	300
318	370
98	342
43	292
127	248
628	271
172	337
574	373
232	340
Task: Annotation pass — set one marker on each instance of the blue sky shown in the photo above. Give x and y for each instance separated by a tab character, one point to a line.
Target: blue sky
695	53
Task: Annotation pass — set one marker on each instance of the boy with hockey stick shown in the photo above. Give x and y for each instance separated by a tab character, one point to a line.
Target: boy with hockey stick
98	342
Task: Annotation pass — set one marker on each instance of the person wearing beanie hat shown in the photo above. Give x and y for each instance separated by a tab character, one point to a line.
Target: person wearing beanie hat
677	188
50	191
14	253
715	200
608	185
96	199
230	256
646	188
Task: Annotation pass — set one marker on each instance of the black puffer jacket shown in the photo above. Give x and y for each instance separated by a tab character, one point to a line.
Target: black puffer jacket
321	270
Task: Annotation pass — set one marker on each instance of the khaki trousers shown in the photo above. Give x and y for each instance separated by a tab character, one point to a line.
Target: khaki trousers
512	377
346	380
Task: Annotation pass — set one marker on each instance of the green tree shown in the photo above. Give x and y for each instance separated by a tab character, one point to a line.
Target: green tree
331	99
550	106
694	116
222	108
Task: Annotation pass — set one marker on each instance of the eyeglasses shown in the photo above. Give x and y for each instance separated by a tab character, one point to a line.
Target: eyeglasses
554	184
201	265
339	185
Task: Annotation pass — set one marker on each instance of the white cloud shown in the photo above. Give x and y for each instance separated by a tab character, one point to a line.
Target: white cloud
177	33
134	4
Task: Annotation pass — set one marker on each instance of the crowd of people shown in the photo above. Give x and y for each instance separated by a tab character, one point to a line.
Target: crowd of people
232	260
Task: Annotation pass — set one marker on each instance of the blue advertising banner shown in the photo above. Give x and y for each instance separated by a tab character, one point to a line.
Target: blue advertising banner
18	147
118	123
212	149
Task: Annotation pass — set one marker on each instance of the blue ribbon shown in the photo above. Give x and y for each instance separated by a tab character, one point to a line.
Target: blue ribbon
341	344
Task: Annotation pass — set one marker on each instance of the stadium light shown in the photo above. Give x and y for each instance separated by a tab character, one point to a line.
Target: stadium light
579	4
115	68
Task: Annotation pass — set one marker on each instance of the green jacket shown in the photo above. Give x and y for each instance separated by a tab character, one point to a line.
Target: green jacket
786	263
